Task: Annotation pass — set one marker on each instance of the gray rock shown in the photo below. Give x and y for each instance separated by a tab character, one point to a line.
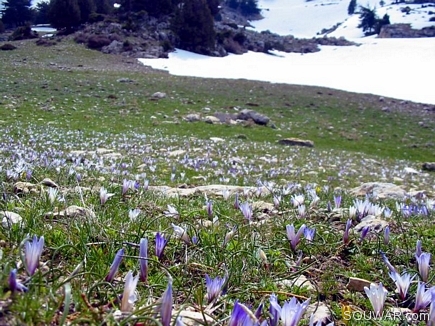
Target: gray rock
258	118
193	117
9	218
211	120
125	80
428	166
158	95
296	142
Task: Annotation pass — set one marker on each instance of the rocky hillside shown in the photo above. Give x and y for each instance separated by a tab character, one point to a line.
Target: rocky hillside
150	37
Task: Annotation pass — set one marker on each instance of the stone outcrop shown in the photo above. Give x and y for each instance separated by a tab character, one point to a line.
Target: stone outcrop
405	31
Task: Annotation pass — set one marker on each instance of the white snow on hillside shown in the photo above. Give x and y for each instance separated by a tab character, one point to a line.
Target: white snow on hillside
398	68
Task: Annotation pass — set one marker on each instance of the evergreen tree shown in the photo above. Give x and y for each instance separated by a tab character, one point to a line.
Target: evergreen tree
351	8
249	7
368	20
104	7
2	26
194	26
41	13
213	5
64	14
86	8
381	22
152	7
16	12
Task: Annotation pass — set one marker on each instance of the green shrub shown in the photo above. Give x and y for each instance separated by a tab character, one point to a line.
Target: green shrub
98	41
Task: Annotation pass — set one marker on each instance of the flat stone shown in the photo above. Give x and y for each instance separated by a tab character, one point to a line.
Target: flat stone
102	151
301	282
177	152
380	190
375	223
217	139
321	313
112	155
357	284
73	211
296	142
49	183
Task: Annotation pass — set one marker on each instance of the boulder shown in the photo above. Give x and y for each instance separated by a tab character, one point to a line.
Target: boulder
258	118
428	166
296	142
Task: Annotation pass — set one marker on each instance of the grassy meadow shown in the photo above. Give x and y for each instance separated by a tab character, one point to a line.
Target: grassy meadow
88	122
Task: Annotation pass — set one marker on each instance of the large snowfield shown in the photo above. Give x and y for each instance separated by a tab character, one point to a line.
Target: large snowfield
399	68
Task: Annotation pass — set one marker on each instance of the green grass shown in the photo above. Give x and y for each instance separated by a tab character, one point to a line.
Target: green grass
64	98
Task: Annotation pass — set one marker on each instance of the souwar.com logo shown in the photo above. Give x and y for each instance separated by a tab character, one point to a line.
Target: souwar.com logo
391	315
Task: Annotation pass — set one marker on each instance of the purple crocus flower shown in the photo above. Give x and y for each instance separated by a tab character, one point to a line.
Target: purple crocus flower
161	242
294	237
337	201
115	265
391	268
387	235
179	321
246	210
309	233
209	207
14	284
365	230
273	311
236	201
129	296
32	253
377	295
214	287
402	283
431	321
346	232
242	316
292	311
423	265
104	196
126	185
143	260
181	233
166	305
422	296
172	212
418	249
